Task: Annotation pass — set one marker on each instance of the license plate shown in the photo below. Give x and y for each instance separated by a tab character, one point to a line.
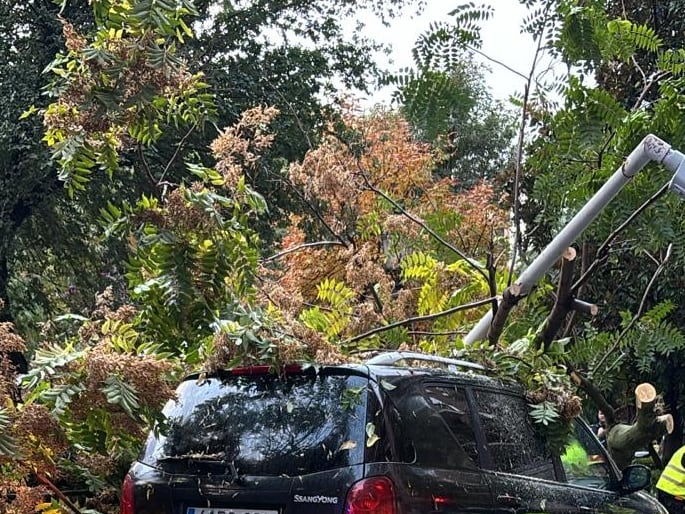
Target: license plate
222	510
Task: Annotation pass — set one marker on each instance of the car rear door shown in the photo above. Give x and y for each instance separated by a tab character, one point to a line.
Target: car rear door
436	465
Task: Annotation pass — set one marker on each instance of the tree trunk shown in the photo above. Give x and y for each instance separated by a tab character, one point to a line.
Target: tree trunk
623	440
674	440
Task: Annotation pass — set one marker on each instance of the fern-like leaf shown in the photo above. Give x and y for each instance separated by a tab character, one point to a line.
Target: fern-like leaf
122	394
417	266
544	413
47	361
60	396
672	61
629	37
8	446
335	293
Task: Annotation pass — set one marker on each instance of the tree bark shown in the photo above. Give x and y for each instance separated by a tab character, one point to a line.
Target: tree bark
594	393
674	440
510	297
623	440
563	303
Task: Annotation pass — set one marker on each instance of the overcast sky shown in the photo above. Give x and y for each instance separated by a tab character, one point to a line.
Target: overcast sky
502	41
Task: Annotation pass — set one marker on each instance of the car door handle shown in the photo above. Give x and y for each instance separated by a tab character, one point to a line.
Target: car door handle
508	500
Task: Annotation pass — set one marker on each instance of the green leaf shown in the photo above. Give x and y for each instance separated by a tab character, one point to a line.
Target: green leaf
8	445
544	413
47	361
371	436
60	396
122	394
29	112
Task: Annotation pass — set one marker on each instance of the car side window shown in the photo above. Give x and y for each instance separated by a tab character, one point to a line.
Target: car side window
584	460
433	428
515	445
453	408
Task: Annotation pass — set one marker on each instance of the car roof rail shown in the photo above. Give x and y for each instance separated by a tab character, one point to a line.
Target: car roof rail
393	358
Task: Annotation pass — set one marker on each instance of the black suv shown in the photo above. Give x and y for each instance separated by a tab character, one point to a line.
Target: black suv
404	433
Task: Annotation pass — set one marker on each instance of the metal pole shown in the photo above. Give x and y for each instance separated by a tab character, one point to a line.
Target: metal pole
650	149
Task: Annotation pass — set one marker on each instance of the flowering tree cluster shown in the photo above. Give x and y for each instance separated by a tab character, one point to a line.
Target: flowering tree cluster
80	413
386	219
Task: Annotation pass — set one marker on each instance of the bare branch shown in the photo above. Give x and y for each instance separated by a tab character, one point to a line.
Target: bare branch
591	309
510	298
291	108
376	299
416	319
657	272
595	395
653	79
425	227
640	309
495	61
303	246
519	145
438	333
492	279
146	166
179	147
57	492
315	211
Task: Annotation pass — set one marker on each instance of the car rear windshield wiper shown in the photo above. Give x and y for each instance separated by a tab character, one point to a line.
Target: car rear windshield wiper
215	459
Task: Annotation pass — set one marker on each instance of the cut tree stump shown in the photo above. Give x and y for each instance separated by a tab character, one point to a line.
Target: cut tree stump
624	440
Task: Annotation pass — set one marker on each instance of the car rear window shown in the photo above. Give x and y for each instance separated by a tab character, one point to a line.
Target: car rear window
264	424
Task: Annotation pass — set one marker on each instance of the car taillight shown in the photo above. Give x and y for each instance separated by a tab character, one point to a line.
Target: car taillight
375	495
127	502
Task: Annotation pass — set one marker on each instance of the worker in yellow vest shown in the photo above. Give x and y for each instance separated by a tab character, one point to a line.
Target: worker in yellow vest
671	484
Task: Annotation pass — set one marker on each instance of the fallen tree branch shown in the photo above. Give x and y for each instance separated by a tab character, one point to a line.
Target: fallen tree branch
595	395
623	440
420	223
563	303
510	297
416	319
367	181
56	491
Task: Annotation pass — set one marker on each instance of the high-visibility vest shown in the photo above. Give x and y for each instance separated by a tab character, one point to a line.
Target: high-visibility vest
672	480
